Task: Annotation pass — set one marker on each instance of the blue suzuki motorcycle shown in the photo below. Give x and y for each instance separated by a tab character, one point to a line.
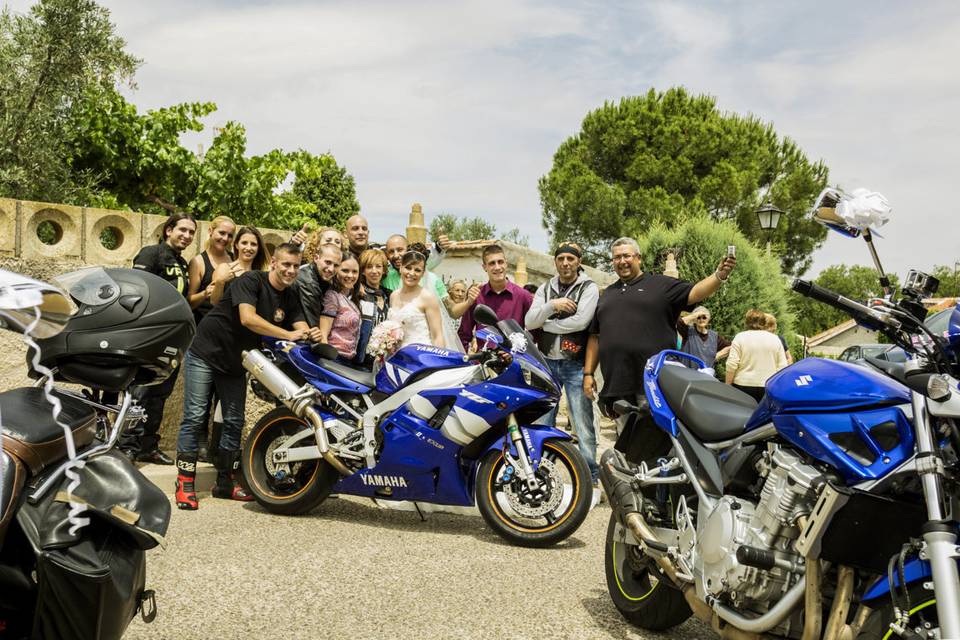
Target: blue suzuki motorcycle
432	426
827	510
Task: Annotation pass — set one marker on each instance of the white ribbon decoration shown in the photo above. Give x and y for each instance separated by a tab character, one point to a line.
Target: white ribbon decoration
518	342
864	209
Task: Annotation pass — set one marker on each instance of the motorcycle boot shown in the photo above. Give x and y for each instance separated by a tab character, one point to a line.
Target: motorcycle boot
228	484
186	494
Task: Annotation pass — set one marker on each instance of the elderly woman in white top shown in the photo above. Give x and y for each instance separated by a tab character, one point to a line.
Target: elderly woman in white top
755	355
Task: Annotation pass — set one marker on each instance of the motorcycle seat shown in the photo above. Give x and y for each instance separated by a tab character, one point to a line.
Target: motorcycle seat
30	432
366	378
712	410
12	479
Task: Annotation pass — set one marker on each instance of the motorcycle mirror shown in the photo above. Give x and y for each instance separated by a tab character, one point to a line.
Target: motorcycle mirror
622	408
20	299
482	314
825	212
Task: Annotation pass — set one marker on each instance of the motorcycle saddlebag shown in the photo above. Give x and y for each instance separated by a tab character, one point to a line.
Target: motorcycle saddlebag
90	582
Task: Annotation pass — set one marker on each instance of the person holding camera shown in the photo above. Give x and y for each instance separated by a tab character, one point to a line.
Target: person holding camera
636	318
562	309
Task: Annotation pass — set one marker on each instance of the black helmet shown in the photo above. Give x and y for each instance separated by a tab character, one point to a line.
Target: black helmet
132	328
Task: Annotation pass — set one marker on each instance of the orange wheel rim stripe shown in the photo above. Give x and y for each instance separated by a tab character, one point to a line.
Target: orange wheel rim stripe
513	525
272	495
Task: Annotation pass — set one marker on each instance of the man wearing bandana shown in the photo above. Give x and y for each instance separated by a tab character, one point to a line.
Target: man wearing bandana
562	309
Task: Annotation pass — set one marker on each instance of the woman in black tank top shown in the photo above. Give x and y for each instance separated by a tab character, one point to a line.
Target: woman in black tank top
204	264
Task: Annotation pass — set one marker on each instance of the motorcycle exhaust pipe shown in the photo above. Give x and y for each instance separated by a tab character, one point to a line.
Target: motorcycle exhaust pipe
286	391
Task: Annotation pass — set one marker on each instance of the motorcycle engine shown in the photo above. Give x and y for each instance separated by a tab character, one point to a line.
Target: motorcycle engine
770	525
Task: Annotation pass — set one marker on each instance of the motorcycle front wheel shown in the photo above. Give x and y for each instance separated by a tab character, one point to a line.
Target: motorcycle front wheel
288	489
541	517
637	589
923	617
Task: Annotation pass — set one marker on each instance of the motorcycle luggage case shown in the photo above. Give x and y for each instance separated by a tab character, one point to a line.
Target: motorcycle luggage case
90	583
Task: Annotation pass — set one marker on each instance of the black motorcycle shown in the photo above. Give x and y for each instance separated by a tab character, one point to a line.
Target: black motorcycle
76	517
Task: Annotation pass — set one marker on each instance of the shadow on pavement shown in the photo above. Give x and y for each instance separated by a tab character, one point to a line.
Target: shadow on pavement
362	514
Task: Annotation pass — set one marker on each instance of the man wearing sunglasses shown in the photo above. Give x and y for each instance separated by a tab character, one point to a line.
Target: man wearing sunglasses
699	340
636	318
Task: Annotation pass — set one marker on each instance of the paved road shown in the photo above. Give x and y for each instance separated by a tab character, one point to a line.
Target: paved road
353	570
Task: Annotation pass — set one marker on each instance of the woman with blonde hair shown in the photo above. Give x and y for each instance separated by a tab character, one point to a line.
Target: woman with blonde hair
320	237
251	255
755	355
772	328
203	265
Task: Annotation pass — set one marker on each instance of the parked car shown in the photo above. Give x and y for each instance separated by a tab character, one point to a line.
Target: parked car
889	352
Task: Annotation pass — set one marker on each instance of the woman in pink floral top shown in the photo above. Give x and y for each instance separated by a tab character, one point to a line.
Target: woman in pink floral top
340	319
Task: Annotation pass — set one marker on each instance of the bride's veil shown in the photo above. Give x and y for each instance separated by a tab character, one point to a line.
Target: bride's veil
450	335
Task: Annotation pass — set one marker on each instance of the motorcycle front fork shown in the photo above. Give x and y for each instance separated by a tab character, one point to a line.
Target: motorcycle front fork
522	463
939	534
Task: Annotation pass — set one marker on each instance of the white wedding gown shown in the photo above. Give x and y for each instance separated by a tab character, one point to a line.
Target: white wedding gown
415	327
414	321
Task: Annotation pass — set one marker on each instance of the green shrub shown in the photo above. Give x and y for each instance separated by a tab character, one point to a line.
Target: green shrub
757	282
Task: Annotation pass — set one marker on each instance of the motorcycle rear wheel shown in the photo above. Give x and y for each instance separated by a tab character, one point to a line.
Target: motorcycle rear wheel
639	593
923	611
304	488
554	526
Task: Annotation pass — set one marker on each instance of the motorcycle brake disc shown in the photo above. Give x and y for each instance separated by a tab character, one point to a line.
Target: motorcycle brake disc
551	485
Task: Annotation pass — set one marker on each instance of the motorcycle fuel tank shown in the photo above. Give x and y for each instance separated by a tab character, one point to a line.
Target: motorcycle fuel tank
843	414
817	384
412	359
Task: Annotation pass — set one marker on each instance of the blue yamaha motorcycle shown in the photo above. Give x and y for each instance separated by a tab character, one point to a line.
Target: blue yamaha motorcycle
433	426
828	510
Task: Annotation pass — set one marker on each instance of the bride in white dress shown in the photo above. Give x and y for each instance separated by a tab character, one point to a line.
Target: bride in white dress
417	309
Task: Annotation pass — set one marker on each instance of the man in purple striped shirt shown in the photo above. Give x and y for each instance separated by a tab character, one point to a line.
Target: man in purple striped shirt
505	298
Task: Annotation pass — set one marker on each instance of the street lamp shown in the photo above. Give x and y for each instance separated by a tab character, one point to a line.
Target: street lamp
769	216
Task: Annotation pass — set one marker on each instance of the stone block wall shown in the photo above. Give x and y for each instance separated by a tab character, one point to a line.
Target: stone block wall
76	234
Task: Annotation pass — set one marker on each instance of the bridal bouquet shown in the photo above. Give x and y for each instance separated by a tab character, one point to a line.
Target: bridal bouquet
385	339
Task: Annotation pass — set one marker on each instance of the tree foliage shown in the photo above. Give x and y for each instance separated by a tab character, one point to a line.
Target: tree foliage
855	282
949	277
464	228
699	244
663	158
50	58
68	135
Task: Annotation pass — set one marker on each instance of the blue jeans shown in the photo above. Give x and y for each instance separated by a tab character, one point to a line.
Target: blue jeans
569	373
200	381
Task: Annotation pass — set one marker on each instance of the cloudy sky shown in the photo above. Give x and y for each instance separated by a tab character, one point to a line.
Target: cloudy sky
461	105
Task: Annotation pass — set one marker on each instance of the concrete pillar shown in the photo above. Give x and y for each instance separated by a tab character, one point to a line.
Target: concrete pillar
416	230
520	275
8	227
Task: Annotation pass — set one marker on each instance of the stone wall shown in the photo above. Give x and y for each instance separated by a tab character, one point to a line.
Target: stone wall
76	234
463	262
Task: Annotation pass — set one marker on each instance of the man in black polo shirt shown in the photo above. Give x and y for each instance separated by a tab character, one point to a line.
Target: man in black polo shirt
636	318
163	259
254	305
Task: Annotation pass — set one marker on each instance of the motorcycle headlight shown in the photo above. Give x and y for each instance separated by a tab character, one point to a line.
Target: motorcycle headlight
534	377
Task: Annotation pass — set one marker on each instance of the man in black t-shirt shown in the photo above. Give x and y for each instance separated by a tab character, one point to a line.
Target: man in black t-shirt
163	259
636	318
256	304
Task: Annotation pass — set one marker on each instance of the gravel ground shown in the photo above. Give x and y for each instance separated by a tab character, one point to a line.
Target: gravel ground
351	569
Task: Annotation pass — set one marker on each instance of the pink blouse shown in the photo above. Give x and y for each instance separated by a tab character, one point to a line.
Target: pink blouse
346	323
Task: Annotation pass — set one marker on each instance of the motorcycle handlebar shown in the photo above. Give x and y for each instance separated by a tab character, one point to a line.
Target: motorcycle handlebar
860	312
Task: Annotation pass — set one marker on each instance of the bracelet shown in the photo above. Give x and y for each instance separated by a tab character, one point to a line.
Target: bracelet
587	374
717	274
